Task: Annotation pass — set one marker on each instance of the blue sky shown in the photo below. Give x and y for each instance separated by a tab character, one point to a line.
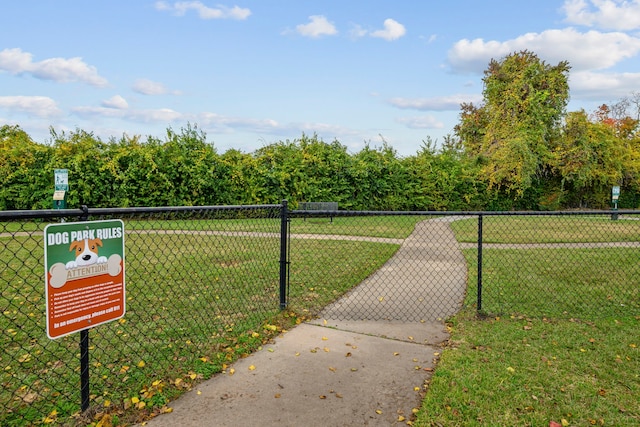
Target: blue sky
253	72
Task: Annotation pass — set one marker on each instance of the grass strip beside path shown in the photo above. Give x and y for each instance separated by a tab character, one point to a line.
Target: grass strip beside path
518	371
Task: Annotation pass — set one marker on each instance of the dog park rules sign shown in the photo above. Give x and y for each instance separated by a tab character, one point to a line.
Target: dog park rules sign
84	277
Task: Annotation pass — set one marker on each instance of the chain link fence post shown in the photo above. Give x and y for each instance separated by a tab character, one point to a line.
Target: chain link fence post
284	218
479	263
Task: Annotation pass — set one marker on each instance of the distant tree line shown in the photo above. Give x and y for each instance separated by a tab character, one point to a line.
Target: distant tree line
518	149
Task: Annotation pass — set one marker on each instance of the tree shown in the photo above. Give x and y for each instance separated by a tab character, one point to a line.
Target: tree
512	133
590	158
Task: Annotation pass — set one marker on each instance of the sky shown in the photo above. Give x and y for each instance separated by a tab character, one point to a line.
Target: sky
250	73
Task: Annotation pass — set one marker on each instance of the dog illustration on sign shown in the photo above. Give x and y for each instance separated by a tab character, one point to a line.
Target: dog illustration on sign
86	253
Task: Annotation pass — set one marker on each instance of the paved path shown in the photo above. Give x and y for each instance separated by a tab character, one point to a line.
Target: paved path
424	281
363	363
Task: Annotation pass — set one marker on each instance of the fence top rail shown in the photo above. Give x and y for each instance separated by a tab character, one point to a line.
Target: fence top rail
302	213
64	213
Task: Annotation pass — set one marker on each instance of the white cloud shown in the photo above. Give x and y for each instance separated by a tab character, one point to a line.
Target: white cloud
443	103
160	115
393	30
40	106
64	70
221	121
180	8
603	86
149	87
357	31
319	26
621	15
590	50
424	122
117	102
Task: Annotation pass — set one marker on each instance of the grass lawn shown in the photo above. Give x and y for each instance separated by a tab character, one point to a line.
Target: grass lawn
578	364
519	371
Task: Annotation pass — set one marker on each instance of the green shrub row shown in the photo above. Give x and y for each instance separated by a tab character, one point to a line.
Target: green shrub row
184	169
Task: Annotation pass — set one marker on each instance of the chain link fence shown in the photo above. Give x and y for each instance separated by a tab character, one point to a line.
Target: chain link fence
200	282
556	264
207	285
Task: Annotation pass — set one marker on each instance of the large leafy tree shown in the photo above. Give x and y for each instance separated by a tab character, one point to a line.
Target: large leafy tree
513	131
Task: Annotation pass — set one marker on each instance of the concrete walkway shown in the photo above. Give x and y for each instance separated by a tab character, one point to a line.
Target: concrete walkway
364	362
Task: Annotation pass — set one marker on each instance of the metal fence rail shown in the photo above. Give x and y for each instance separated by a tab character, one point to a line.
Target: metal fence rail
203	283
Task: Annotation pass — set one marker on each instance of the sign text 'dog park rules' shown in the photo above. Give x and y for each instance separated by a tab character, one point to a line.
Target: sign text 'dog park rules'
84	277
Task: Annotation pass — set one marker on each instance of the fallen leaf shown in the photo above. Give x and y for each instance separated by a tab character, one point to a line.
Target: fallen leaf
332	369
252	368
141	364
232	371
379	411
322	396
510	369
277	396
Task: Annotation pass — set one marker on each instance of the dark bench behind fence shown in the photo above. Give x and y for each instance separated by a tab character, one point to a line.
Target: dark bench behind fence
318	207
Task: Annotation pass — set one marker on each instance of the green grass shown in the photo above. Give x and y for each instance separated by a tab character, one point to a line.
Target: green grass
373	226
519	371
548	229
396	227
558	337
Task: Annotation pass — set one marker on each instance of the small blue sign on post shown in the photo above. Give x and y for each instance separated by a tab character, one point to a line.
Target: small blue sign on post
60	189
615	195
